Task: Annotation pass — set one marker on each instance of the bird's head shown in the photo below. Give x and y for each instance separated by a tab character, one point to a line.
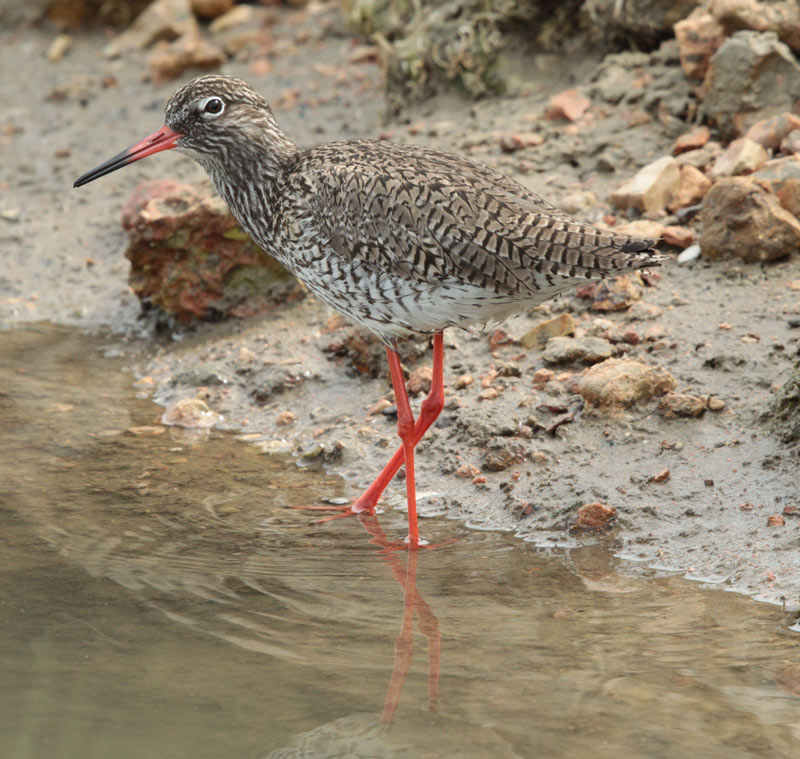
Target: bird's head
207	119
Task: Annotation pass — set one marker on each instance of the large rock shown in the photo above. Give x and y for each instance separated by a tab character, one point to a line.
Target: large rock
741	218
190	259
752	76
620	383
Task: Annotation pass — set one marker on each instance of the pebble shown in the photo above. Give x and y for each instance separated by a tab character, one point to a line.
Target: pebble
419	381
285	418
490	393
59	47
593	516
662	476
715	404
775	520
681	405
467	471
465	380
692	253
192	413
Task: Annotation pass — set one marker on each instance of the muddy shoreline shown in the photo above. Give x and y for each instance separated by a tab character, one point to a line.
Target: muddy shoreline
724	327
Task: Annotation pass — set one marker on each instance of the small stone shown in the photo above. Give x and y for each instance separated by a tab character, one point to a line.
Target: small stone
715	404
743	156
569	104
791	143
378	407
191	413
646	228
678	237
489	394
539	457
789	195
680	404
593	516
556	326
578	201
642	311
740	218
589	350
419	381
692	253
702	157
541	377
775	520
59	47
208	9
770	132
623	383
699	36
236	16
465	380
170	59
160	20
651	188
692	188
662	476
693	140
467	471
147	430
501	455
285	418
617	294
510	143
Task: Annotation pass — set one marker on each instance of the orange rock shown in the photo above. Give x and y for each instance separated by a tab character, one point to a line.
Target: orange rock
698	36
593	516
569	104
775	520
741	218
285	418
692	188
770	132
679	237
693	140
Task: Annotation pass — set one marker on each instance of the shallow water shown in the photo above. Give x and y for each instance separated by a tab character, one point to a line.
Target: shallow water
158	599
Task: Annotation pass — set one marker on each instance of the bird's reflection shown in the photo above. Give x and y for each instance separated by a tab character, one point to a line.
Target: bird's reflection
414	606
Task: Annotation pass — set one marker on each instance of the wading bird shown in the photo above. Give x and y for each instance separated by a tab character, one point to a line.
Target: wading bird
403	239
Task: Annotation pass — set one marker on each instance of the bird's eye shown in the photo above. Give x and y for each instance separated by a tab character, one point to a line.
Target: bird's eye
212	106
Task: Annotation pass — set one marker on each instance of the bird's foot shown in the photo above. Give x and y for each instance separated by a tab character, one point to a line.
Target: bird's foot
341	507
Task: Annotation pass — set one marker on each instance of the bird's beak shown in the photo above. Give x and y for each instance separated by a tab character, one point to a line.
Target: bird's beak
162	139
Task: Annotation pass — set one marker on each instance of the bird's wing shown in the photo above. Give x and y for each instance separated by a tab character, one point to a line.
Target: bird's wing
425	215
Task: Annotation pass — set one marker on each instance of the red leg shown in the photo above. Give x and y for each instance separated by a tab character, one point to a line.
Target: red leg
431	408
406	432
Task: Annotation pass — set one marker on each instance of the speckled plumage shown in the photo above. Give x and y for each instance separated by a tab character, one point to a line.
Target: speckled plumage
404	239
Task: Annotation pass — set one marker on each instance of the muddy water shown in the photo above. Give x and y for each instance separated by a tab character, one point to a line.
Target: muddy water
158	599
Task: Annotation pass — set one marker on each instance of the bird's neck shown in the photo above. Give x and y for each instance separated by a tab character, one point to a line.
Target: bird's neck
248	180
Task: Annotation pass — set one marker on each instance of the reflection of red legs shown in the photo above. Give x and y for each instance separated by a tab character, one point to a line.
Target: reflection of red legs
430	410
413	604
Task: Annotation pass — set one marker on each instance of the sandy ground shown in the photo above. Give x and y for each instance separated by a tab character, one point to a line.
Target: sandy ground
62	253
